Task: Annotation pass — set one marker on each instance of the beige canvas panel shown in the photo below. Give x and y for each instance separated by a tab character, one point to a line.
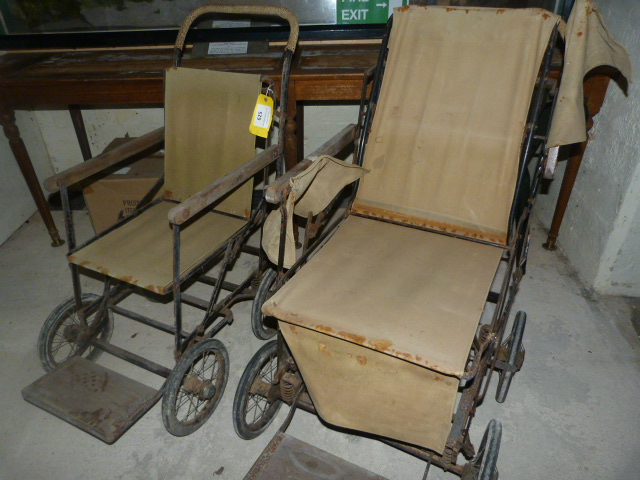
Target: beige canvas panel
355	387
445	141
311	191
141	251
207	117
588	44
412	294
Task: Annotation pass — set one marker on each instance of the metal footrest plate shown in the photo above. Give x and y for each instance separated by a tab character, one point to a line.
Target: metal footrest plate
93	398
287	458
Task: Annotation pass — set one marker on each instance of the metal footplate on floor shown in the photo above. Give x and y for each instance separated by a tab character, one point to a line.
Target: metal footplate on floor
287	458
93	398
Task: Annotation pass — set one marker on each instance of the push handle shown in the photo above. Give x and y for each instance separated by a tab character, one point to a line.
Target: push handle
281	12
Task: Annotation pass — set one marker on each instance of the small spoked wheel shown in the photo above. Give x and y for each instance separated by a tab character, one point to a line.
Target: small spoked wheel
255	404
194	387
483	466
62	336
264	327
515	349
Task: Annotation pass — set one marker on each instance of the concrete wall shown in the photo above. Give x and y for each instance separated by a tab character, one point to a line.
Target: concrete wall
15	199
601	230
53	147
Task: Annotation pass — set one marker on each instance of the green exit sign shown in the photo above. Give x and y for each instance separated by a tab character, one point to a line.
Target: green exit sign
366	11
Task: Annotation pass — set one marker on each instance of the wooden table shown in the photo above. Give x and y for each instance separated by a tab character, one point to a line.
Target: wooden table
329	73
133	77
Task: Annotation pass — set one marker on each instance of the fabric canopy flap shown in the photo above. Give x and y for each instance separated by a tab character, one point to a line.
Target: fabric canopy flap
207	117
588	44
311	191
446	137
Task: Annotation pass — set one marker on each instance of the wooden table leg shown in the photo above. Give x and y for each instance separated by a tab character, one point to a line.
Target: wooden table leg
568	180
292	129
81	132
8	121
594	89
300	131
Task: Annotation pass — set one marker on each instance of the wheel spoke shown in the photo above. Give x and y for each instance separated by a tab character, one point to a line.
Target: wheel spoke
257	405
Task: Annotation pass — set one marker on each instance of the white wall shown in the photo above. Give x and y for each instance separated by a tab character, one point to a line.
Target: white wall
102	125
601	230
322	123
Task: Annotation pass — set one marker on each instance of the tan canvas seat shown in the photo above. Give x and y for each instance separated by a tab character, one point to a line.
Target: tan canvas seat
207	114
141	251
411	294
401	292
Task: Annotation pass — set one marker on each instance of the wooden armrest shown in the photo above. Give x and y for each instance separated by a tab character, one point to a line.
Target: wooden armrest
214	192
105	160
280	187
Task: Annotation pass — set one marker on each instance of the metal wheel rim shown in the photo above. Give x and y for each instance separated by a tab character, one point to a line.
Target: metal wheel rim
58	342
208	366
256	403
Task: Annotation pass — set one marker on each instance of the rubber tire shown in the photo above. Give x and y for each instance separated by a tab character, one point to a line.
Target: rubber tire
53	323
517	334
173	386
255	365
257	317
487	457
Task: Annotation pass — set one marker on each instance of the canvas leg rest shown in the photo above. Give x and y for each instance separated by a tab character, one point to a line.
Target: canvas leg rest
379	307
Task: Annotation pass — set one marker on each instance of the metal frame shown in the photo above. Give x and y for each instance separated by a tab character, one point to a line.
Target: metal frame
488	350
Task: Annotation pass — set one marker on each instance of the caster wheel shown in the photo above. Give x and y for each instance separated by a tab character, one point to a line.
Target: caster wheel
264	327
63	337
515	349
253	411
194	387
483	465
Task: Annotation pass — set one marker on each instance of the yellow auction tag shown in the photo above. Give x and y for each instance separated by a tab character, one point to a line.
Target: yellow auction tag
262	116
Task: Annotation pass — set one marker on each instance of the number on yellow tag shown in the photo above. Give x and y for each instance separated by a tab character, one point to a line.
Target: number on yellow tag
262	116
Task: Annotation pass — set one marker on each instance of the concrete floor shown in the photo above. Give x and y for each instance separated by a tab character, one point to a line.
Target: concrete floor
572	412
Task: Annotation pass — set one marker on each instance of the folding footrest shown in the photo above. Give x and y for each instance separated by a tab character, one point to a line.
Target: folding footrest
287	458
93	398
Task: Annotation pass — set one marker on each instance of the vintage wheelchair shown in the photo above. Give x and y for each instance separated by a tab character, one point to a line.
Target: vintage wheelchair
392	321
188	237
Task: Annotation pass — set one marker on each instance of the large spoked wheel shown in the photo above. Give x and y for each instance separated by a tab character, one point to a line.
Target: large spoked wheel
264	327
194	387
483	465
515	357
62	335
253	409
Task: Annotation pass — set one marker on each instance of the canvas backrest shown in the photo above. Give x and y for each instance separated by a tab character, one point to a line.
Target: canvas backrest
444	146
207	117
